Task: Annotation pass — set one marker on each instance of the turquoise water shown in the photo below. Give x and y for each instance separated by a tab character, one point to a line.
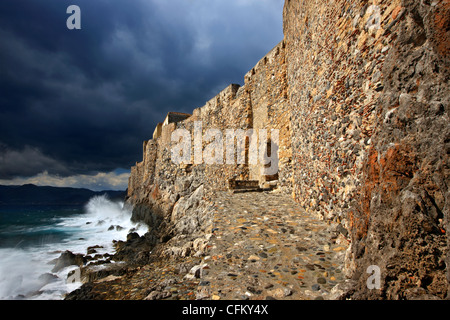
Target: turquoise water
25	226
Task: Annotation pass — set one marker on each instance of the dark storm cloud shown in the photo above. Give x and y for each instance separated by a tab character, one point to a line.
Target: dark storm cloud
28	161
82	101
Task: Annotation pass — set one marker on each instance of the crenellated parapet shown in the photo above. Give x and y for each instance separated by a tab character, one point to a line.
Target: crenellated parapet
357	93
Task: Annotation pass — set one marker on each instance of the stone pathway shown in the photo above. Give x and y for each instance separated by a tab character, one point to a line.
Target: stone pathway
265	246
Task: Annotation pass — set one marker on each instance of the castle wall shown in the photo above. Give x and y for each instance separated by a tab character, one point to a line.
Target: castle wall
166	195
369	113
267	85
335	53
359	93
259	104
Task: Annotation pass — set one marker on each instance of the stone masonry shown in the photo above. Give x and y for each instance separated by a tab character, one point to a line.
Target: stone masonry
359	93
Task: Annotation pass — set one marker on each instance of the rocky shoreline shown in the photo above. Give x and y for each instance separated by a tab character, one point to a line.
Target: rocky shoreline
128	257
139	265
255	250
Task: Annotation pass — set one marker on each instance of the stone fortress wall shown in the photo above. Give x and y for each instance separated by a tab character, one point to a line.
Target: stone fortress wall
359	92
259	104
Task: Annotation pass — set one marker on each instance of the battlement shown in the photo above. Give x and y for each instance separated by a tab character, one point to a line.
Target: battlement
269	58
223	97
158	131
174	117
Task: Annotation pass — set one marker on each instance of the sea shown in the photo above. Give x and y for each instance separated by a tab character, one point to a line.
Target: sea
32	237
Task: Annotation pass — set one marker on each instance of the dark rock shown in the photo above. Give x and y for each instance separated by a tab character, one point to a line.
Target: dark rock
321	280
341	229
85	292
99	262
254	290
68	258
92	249
263	255
132	236
315	287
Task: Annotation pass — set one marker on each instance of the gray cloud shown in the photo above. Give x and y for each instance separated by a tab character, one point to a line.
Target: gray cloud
27	162
82	101
97	182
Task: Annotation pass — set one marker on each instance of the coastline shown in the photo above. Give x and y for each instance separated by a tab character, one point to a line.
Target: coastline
145	264
135	260
43	250
248	255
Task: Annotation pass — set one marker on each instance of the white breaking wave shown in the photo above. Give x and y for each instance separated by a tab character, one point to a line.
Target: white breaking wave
26	273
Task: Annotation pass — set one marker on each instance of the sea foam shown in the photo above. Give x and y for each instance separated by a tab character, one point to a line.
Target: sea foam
25	273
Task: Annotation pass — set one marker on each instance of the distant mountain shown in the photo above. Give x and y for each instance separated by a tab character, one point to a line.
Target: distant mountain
29	194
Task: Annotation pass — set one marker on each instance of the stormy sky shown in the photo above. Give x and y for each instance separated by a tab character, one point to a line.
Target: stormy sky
75	105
